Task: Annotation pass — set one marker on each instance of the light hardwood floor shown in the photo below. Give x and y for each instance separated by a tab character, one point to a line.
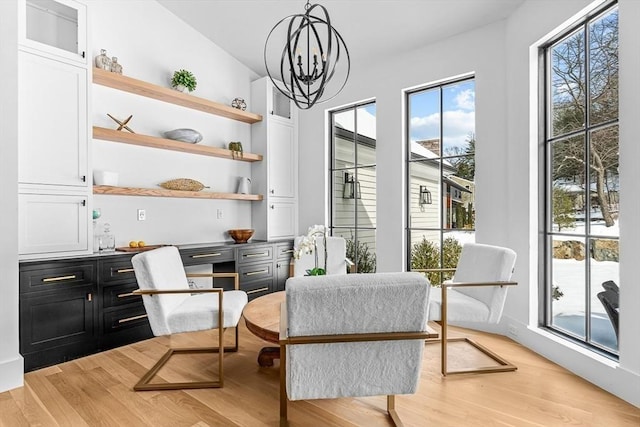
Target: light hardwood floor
97	390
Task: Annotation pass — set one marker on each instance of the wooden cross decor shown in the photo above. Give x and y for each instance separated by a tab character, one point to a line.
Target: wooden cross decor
123	124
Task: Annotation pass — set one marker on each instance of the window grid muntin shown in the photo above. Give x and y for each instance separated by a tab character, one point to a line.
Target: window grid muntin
408	228
585	131
356	227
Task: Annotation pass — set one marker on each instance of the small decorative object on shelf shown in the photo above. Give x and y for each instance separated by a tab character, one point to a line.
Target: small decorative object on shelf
183	184
239	104
102	61
115	66
191	136
244	185
183	80
123	124
236	149
107	241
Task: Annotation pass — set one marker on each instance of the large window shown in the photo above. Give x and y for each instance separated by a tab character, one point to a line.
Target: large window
440	174
581	190
353	182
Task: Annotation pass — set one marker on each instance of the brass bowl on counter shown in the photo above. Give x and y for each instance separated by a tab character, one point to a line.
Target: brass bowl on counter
241	235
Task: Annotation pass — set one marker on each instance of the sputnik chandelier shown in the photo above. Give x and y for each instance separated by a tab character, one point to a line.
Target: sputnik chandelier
310	58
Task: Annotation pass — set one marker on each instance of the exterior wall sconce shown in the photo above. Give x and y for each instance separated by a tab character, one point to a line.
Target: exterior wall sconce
351	188
425	196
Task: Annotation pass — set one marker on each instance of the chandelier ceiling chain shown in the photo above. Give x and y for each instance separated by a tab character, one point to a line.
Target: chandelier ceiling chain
310	57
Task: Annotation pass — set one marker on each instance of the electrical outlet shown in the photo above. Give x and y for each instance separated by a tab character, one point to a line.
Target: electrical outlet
219	214
142	215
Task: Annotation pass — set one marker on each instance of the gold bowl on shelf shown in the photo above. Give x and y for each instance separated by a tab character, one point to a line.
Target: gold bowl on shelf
241	235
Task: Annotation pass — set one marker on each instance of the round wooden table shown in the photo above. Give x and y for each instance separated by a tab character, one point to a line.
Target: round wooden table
262	317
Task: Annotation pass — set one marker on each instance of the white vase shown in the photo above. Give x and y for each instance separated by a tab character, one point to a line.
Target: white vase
181	88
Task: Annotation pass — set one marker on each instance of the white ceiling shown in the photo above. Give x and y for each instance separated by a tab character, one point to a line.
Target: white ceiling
372	29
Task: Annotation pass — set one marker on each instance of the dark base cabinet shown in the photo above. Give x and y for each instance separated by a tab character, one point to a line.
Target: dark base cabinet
58	312
75	307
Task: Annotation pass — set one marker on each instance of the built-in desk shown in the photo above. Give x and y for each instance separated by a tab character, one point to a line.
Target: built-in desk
71	307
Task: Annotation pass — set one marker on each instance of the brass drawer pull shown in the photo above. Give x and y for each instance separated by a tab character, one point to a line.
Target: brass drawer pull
206	255
253	273
131	319
128	294
58	279
256	254
125	270
257	290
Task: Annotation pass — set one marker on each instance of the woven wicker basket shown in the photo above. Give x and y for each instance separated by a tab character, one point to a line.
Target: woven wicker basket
183	184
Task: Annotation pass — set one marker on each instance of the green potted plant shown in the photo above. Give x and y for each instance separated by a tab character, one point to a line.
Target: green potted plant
183	80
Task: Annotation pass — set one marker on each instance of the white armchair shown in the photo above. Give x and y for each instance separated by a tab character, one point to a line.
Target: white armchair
172	307
476	293
368	332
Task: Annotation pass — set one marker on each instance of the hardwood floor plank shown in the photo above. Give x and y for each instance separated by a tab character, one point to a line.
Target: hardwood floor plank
97	390
11	413
60	409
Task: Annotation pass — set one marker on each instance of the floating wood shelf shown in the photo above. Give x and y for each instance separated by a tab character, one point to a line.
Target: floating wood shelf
161	192
150	90
169	144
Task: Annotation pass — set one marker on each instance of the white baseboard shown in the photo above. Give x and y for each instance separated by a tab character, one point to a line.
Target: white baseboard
11	374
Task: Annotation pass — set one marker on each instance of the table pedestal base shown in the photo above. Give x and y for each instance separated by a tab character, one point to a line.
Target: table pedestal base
267	355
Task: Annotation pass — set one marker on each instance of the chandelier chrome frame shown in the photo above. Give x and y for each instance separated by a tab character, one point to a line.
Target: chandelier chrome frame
305	82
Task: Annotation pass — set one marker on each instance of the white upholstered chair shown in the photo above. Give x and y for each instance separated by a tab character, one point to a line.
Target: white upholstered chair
368	332
172	307
476	293
337	261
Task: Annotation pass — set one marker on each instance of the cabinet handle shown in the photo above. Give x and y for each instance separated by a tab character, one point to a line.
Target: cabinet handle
272	206
253	273
272	191
58	279
287	251
131	319
83	178
83	53
255	255
128	294
257	290
206	255
125	270
89	297
83	203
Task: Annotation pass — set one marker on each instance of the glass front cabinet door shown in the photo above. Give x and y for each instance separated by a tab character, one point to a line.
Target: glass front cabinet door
56	27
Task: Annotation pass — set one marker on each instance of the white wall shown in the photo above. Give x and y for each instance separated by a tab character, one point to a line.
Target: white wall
506	198
11	364
150	43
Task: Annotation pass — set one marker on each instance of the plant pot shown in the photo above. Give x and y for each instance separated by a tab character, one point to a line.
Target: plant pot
181	88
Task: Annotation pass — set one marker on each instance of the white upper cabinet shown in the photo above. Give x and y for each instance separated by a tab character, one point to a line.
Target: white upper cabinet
57	27
281	157
276	176
52	122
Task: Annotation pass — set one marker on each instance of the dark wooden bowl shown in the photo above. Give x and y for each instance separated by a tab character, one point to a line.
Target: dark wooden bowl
241	235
